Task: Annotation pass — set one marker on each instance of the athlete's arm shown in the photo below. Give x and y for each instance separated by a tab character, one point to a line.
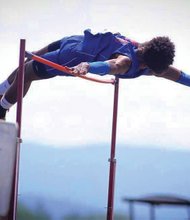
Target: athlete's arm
175	75
119	65
171	73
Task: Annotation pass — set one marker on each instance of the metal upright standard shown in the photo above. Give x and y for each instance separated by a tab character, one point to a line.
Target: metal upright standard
20	87
112	160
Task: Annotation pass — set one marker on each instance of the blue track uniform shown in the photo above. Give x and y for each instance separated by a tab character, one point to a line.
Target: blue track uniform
90	48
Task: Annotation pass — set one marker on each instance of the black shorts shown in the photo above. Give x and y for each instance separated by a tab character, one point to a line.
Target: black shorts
40	70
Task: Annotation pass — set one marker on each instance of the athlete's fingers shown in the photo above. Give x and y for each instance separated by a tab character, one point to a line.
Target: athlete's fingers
81	69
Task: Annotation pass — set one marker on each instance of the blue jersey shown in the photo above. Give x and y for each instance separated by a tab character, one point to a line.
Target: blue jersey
95	47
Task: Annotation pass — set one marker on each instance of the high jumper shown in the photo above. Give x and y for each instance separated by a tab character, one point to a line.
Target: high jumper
101	53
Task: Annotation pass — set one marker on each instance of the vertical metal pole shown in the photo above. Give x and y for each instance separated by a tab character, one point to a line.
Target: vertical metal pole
20	89
112	160
188	212
131	210
152	212
20	85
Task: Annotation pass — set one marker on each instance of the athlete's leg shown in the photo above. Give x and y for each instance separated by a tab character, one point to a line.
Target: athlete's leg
5	85
10	96
30	75
33	71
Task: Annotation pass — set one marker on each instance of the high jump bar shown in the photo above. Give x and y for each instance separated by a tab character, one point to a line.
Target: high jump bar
65	68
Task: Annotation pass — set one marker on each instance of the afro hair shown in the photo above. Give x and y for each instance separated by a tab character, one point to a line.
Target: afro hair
158	53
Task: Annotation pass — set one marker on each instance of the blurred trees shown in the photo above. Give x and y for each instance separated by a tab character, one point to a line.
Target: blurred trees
26	214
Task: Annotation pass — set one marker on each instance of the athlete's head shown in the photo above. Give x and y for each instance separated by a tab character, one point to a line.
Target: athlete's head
158	53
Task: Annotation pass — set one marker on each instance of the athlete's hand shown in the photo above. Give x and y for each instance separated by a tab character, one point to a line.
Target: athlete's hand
80	69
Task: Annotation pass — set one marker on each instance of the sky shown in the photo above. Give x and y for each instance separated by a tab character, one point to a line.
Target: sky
68	112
